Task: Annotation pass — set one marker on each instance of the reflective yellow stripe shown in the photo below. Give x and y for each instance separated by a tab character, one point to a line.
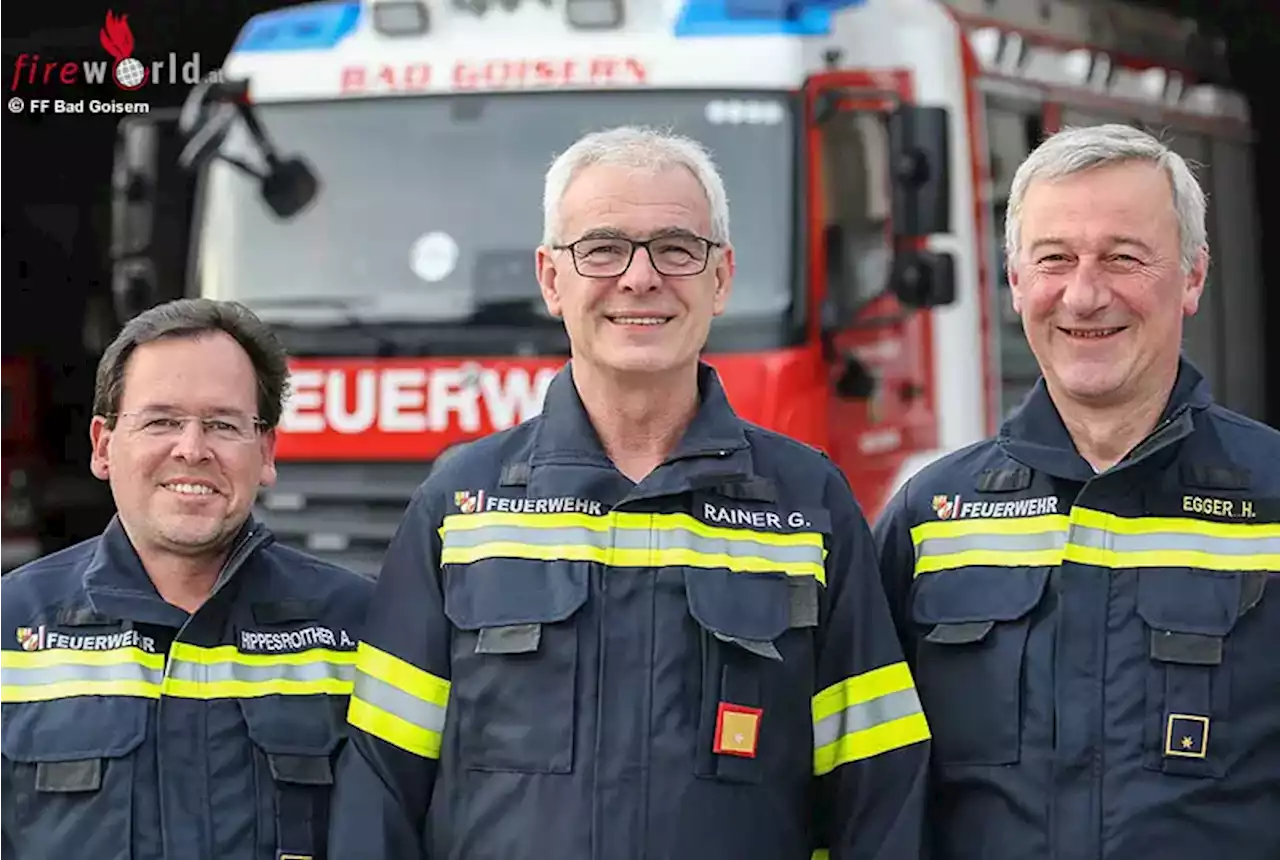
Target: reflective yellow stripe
820	854
866	715
1106	540
1015	542
62	673
70	689
224	672
630	540
394	730
1096	538
192	672
398	702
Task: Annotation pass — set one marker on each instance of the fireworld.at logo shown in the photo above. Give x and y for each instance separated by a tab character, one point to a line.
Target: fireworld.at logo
126	71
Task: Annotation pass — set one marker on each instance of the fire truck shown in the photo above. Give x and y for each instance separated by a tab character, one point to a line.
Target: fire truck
368	177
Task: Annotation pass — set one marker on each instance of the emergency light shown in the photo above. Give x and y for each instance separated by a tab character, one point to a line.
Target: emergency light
400	17
309	27
593	14
758	17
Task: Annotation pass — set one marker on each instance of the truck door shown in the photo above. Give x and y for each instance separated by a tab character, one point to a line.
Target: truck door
878	185
151	212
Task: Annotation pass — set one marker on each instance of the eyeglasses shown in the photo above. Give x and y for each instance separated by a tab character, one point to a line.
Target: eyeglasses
231	429
610	257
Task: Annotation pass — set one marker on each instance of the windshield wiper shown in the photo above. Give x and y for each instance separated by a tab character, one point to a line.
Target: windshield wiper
346	316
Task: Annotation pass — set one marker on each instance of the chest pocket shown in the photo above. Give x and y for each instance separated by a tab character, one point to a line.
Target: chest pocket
70	768
296	740
515	661
743	617
1189	616
970	660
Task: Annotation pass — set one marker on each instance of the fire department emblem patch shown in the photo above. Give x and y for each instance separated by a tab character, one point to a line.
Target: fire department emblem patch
31	638
945	506
469	502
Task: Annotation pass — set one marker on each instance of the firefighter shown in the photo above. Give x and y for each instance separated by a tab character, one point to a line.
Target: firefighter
175	686
634	626
1089	600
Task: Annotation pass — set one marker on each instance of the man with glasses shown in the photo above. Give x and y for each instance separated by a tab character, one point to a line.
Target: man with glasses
175	686
634	626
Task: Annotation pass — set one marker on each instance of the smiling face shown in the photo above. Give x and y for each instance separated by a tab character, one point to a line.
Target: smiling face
1099	284
642	320
185	487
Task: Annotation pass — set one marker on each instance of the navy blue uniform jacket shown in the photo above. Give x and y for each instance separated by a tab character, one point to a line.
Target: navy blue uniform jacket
1097	653
561	663
135	731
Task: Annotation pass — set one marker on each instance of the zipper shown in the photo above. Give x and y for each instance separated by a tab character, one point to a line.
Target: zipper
1153	441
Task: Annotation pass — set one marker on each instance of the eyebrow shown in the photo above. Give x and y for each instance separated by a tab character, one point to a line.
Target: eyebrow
615	233
1116	239
169	409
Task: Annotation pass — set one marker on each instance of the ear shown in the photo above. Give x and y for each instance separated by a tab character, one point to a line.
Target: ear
548	280
1015	286
268	442
725	267
1195	283
100	448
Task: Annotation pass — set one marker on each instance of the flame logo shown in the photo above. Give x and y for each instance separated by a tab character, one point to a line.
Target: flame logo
117	39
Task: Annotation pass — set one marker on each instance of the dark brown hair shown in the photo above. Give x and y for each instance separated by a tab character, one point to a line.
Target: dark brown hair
192	318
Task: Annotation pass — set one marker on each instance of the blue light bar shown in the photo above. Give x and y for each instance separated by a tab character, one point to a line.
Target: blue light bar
309	27
758	17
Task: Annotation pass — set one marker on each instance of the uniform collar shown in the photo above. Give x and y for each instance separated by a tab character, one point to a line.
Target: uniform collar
565	433
1036	436
712	453
116	585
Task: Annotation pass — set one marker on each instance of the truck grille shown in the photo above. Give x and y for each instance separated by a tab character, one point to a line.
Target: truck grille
345	513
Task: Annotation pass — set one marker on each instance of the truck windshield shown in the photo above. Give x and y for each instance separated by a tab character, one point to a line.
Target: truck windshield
430	208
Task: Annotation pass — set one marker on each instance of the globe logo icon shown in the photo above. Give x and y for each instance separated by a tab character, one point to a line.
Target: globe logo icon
130	73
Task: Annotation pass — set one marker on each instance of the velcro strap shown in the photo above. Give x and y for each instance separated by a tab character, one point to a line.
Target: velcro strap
300	781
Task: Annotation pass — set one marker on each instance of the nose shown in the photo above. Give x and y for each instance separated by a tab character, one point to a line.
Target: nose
1086	291
640	276
191	445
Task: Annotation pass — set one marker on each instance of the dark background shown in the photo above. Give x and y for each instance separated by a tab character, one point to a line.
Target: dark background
57	173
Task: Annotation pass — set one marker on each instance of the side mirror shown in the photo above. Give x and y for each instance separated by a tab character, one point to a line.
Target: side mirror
920	154
289	186
923	279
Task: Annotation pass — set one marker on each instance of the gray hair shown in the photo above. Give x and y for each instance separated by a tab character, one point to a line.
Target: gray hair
1074	150
637	148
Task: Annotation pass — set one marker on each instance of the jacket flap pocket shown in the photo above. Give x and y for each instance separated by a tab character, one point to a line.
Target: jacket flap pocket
749	608
1189	602
295	725
300	769
74	731
512	592
977	594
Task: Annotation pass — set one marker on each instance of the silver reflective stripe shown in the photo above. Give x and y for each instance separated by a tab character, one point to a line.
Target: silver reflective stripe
62	673
865	715
659	540
206	673
421	713
1171	541
992	542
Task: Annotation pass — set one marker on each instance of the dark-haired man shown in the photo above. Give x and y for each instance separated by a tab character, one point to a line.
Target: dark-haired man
175	687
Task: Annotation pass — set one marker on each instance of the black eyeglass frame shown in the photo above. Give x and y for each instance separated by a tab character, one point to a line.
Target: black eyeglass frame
636	244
